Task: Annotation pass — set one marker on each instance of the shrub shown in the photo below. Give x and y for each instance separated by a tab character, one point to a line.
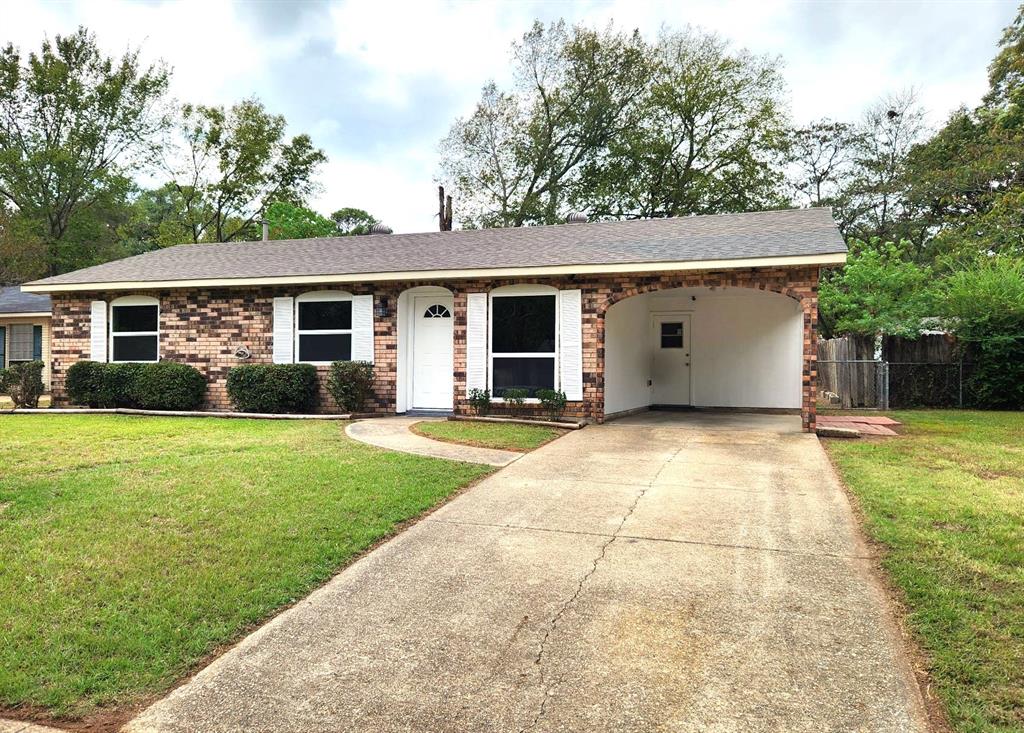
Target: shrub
23	382
350	383
480	400
553	401
273	388
166	385
515	399
84	382
118	383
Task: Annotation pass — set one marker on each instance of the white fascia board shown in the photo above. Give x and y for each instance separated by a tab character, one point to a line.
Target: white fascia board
499	272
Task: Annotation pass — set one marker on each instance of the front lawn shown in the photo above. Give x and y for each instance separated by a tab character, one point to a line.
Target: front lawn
504	436
133	547
947	501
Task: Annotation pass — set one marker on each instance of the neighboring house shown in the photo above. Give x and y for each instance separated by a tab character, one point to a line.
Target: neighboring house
717	311
24	328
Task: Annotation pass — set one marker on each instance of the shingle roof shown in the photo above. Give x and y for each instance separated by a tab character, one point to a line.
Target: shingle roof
13	300
797	232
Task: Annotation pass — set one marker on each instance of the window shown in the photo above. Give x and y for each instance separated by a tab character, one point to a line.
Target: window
671	335
135	329
523	343
3	347
323	327
437	311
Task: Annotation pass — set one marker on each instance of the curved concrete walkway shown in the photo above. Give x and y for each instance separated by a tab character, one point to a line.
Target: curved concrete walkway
393	433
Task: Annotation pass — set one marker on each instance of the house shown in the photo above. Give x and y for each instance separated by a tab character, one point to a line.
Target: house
716	311
24	328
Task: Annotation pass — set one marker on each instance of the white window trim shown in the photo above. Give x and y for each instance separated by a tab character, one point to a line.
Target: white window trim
318	296
515	291
129	300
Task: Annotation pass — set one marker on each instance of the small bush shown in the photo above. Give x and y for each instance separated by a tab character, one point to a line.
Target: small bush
273	388
350	383
553	401
84	382
515	399
118	383
166	385
23	382
480	400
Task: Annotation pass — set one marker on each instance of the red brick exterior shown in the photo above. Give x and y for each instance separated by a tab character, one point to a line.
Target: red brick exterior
204	327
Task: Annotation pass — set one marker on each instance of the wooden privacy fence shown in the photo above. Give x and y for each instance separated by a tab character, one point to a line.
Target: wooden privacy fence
924	372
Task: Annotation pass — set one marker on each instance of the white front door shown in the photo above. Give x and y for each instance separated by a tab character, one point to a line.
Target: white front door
670	370
432	362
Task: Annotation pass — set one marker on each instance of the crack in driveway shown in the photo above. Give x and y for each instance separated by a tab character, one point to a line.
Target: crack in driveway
539	659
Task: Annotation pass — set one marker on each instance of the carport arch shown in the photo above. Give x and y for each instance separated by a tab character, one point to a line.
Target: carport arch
806	296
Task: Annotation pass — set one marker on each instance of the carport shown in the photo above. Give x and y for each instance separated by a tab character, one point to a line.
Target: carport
712	346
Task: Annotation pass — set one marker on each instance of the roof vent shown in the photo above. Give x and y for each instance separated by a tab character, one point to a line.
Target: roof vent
577	217
380	228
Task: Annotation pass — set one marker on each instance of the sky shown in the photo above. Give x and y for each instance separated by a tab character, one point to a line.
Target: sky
377	84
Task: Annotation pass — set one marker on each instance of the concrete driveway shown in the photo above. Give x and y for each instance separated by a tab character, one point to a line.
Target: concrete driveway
667	572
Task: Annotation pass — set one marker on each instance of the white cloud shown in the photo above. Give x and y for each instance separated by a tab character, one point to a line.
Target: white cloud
413	67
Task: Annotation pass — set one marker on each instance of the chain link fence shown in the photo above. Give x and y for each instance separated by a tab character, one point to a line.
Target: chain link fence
883	385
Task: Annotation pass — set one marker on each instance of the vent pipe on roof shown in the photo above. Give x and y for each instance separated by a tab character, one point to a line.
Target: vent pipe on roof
380	228
577	217
266	230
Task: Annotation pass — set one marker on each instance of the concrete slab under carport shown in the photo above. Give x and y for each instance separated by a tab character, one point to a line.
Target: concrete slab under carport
734	598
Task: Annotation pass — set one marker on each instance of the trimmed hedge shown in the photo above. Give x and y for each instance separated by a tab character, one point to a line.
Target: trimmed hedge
273	388
165	385
350	384
23	382
168	385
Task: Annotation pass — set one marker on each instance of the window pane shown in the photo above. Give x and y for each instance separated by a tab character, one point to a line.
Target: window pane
671	335
325	347
135	348
523	324
326	316
523	373
128	318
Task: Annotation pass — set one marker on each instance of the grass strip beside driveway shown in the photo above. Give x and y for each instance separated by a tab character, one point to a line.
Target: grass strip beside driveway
503	436
133	547
946	500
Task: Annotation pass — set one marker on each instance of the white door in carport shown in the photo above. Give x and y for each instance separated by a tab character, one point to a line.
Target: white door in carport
670	368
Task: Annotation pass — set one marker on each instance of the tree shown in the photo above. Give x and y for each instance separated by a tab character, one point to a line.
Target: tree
874	202
969	178
288	221
880	290
517	159
233	163
353	221
71	122
983	303
23	251
706	138
822	157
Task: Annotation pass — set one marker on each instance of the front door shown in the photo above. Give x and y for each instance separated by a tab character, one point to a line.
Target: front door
432	362
670	371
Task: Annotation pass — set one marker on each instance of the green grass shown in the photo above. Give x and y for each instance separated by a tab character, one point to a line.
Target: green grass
131	548
947	500
505	436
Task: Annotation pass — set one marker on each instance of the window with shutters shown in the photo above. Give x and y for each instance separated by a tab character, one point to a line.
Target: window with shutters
323	327
135	329
524	324
22	346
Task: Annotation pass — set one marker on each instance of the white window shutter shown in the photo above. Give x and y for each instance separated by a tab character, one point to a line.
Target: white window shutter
476	341
362	328
98	331
284	331
570	344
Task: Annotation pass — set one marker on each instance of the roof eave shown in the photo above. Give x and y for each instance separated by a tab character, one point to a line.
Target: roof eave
822	260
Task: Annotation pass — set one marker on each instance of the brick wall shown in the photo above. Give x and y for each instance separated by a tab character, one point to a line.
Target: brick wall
204	327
